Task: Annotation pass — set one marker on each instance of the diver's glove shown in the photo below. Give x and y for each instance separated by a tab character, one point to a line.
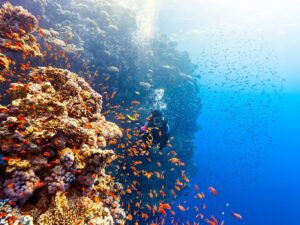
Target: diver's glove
143	128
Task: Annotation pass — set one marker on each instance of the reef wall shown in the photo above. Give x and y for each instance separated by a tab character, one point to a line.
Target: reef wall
96	42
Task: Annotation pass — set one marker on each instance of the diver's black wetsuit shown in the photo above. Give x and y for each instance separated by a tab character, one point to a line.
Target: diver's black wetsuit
156	133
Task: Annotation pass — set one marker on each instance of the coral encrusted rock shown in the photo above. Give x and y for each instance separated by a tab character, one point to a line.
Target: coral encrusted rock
52	140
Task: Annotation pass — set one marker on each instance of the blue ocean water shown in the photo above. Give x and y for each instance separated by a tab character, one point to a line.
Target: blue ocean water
272	197
248	144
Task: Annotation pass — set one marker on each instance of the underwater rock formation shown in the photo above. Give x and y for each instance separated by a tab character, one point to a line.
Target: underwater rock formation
52	137
16	27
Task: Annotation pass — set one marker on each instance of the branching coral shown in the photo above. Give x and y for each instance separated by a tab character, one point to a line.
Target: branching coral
51	137
16	26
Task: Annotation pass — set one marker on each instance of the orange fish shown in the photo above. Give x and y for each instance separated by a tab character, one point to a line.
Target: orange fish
129	217
173	193
165	206
215	221
162	193
113	94
179	183
145	216
162	211
213	190
5	158
201	195
150	195
46	154
148	207
41	184
23	66
135	102
237	216
174	160
41	33
21	118
210	222
154	209
181	208
12	203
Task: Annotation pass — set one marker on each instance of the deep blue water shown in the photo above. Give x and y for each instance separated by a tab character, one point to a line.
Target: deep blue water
266	191
272	197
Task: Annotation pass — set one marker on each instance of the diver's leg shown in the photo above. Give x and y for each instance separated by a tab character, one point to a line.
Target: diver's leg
164	141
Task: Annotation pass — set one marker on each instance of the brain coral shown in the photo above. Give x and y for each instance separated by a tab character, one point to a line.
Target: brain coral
52	140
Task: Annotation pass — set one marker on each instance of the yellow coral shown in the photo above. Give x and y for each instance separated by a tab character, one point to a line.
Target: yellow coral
72	210
85	94
17	164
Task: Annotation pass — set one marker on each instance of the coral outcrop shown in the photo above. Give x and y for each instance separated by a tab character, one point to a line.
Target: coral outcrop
16	28
52	138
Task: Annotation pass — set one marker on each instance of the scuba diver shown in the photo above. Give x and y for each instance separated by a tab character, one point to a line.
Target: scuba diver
155	130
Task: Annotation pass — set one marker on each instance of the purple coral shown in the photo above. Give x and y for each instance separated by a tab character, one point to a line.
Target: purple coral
21	185
59	179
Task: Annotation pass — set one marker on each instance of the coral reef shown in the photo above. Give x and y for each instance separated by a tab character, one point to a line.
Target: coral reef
11	215
16	27
97	42
76	210
52	137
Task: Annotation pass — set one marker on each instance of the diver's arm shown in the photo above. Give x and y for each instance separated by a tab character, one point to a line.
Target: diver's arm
144	128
